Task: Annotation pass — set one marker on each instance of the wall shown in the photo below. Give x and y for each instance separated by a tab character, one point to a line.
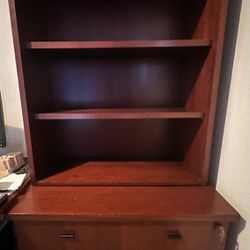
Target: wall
9	86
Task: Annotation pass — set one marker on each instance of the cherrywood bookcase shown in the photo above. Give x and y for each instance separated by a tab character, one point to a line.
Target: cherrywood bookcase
119	101
119	92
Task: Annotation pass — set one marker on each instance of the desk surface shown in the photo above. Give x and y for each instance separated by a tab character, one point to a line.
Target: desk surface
5	207
122	203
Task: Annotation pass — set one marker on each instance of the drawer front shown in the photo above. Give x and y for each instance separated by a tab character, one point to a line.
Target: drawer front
120	236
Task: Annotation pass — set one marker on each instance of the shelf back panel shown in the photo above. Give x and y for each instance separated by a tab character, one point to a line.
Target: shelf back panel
119	139
56	81
108	20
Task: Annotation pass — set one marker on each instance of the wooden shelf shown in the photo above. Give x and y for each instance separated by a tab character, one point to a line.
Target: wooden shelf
150	113
118	44
123	173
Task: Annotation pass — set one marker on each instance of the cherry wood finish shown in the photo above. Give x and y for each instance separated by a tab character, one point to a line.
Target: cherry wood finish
112	20
200	150
123	203
139	61
124	173
119	101
118	44
120	114
72	79
120	218
119	236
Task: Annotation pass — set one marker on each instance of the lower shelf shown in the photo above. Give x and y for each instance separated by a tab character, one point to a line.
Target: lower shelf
124	173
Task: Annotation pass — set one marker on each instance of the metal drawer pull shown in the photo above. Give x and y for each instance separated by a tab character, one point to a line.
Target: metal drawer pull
67	236
174	235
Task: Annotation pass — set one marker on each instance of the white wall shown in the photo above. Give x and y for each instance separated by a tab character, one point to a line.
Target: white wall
9	85
234	167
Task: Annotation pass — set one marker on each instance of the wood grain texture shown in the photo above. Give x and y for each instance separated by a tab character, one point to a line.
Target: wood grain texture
159	113
115	65
114	140
124	173
72	80
118	44
211	24
123	203
110	20
22	88
118	236
186	75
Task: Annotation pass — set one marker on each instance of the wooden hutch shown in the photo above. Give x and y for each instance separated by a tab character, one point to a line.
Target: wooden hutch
119	101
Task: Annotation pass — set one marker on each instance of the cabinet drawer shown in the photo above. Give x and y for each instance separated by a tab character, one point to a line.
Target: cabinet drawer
119	236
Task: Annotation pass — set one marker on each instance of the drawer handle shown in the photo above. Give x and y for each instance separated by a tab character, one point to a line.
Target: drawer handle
67	236
174	235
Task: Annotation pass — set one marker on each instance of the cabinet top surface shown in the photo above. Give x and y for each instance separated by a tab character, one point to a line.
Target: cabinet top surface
123	203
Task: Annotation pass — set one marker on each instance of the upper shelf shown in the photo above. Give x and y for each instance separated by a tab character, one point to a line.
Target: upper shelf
118	44
100	114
